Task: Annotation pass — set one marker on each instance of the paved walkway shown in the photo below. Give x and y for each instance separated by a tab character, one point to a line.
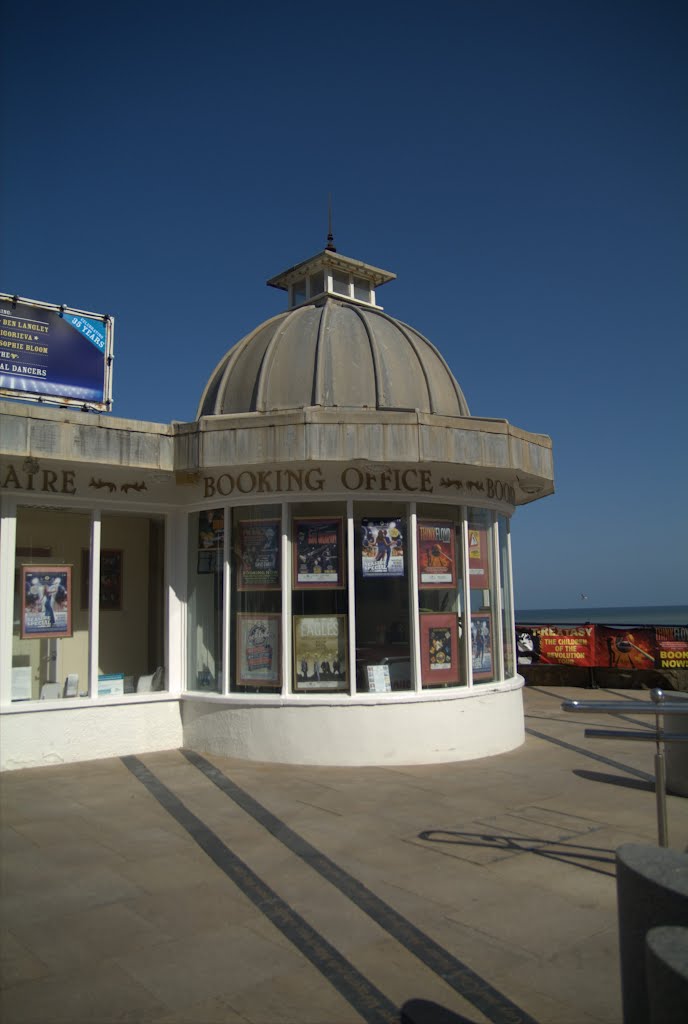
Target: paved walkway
176	888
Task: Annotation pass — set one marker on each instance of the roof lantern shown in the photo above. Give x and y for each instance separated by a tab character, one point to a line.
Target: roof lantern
329	273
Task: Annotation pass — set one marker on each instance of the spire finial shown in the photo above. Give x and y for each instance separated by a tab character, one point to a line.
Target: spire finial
330	237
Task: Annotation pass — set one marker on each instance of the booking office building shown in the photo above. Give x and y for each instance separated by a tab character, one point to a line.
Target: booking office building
315	571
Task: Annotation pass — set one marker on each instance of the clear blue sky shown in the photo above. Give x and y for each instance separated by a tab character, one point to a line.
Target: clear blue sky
521	166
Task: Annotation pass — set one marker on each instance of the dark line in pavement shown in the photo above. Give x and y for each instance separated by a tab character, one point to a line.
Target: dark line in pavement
496	1007
594	757
361	994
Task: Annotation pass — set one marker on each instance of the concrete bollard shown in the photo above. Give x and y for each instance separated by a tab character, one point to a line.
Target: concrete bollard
677	753
652	890
666	960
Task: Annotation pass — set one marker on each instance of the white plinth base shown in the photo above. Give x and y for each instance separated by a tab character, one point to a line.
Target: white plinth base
70	733
416	729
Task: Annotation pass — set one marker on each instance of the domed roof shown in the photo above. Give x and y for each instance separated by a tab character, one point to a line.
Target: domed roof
332	352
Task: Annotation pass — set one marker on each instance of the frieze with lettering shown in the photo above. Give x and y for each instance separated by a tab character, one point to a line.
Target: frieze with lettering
355	479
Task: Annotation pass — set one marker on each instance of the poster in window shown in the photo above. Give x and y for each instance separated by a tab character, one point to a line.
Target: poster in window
258	552
320	643
258	649
439	649
110	579
382	548
477	557
317	553
436	558
211	539
46	601
481	645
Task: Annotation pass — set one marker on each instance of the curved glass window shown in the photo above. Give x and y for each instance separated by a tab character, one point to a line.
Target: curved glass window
319	599
256	599
482	590
440	597
298	599
382	587
507	597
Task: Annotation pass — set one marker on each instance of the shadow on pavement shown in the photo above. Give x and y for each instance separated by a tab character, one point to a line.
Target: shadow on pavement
565	852
424	1011
614	780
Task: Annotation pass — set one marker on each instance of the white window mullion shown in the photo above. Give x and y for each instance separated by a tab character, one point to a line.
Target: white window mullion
94	604
8	535
351	594
497	642
176	584
509	581
227	651
467	660
412	548
286	603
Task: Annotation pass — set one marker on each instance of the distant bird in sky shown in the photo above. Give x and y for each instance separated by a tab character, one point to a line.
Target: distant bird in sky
584	597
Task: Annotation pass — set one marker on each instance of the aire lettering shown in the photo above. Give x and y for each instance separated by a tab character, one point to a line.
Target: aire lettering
48	481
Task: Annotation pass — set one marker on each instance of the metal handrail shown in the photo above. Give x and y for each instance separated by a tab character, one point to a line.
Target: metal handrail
659	707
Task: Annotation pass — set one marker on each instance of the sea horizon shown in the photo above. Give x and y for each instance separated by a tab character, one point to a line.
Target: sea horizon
616	615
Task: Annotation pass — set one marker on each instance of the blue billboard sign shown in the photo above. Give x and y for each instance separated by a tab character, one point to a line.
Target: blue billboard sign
55	354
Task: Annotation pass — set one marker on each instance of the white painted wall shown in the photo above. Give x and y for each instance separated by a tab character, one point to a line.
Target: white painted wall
67	734
420	730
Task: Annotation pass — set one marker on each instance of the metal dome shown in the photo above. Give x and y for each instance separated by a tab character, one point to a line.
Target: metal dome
333	353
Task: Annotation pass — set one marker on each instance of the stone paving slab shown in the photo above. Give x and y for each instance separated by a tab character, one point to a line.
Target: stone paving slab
484	889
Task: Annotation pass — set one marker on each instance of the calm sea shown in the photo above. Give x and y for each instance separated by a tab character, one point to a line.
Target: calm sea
643	615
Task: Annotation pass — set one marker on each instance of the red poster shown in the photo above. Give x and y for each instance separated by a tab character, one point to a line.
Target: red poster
556	645
625	648
436	558
477	558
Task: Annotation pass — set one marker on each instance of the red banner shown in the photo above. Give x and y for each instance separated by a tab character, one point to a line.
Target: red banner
629	648
556	645
672	646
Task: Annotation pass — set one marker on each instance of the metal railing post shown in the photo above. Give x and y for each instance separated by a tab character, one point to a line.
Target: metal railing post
657	697
657	706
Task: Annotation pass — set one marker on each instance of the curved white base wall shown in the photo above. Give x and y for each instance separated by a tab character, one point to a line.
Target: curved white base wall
66	734
407	729
414	730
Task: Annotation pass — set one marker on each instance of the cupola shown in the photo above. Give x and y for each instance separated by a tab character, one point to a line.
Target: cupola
333	347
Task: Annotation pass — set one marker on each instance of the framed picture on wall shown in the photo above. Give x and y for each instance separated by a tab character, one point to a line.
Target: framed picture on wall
110	579
257	547
481	645
320	643
436	554
258	649
317	553
46	601
439	649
